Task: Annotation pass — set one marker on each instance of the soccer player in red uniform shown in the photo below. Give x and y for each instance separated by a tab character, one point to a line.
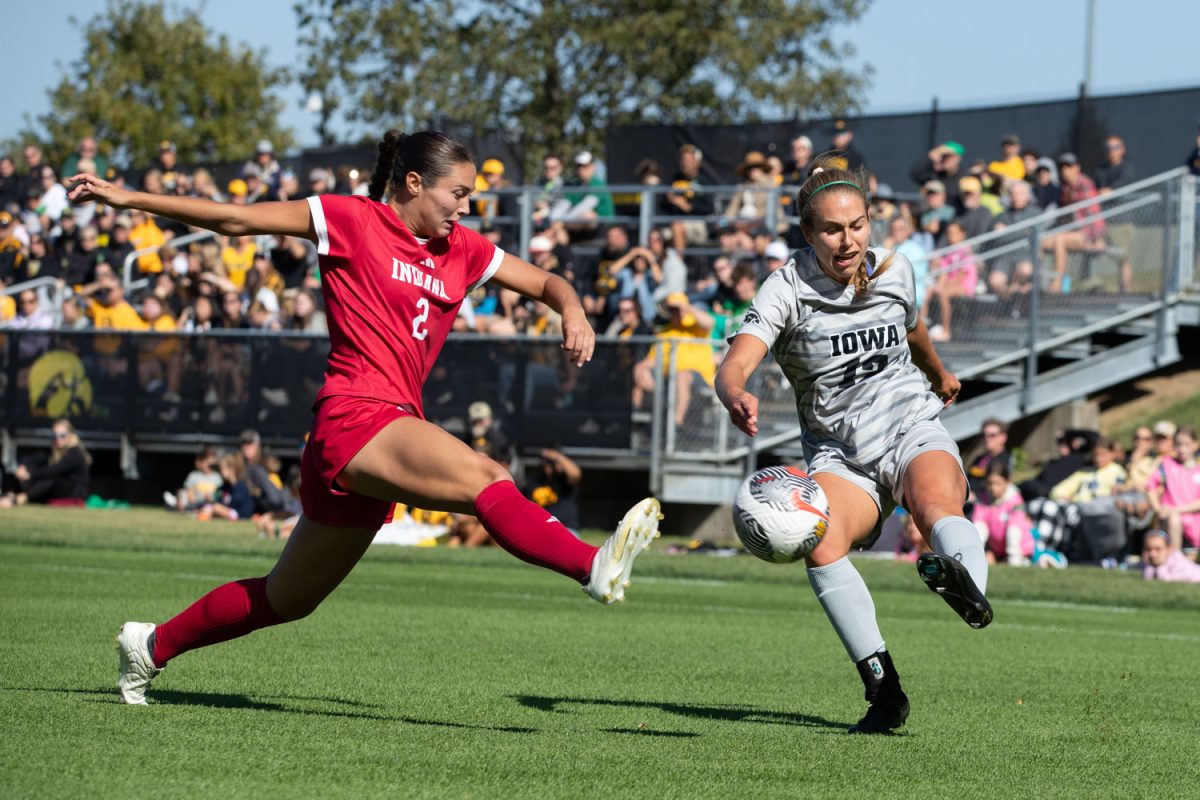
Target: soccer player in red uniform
395	267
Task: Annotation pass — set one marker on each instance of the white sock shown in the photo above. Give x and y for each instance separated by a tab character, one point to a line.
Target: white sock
848	604
958	538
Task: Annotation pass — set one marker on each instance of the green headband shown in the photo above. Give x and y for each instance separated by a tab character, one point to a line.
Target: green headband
823	188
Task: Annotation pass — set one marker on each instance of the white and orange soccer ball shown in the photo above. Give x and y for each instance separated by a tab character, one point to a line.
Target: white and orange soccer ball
780	514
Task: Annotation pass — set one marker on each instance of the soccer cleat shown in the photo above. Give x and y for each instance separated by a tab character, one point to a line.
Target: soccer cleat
950	579
614	560
887	704
135	646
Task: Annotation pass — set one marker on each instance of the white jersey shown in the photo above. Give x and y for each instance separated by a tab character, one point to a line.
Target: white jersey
848	360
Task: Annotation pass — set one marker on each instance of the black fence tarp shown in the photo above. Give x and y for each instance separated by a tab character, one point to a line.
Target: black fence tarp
178	388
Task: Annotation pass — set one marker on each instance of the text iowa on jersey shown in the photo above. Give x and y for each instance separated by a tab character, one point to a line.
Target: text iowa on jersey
408	273
862	340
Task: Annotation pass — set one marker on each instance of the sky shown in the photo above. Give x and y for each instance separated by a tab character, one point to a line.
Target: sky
963	52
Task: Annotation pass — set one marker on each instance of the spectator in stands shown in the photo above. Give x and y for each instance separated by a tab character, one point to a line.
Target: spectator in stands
256	188
12	252
72	316
556	488
748	206
692	360
146	235
201	485
234	500
264	160
1057	518
1117	170
901	239
32	178
674	270
911	543
1045	184
598	300
320	181
10	184
995	451
843	141
717	286
1163	562
689	199
942	164
238	258
238	191
1173	490
1010	165
1012	271
1001	519
583	202
1076	187
1140	462
294	258
629	320
484	430
200	316
638	274
266	494
727	313
168	165
89	150
54	195
776	255
974	219
1164	439
957	274
795	172
937	212
60	478
551	184
30	316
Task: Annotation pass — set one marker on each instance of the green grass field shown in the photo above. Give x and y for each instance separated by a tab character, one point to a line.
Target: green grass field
446	673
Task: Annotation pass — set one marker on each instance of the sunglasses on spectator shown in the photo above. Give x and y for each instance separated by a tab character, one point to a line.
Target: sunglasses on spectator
61	434
992	434
623	309
1143	437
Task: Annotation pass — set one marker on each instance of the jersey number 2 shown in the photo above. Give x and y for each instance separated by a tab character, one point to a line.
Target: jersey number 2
872	365
419	332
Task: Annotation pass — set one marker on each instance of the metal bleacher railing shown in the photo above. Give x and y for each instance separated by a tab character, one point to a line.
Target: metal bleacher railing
1017	354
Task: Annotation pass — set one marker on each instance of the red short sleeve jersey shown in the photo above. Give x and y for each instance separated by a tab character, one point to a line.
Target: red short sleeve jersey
390	298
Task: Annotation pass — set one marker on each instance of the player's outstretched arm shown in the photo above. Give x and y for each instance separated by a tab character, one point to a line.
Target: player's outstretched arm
943	384
288	219
579	340
744	356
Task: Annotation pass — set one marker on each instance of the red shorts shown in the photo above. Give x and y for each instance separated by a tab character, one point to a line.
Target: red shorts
343	425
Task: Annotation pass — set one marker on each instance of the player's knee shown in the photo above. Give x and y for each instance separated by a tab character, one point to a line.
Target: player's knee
485	472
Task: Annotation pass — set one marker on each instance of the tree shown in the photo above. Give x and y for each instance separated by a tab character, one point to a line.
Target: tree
557	73
145	76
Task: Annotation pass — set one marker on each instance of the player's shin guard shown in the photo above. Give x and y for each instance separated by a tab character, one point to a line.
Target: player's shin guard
958	538
526	530
848	604
227	612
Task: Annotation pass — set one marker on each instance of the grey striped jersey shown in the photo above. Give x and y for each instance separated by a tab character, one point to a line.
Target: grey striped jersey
857	389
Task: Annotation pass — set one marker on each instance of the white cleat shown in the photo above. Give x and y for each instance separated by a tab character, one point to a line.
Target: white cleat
135	646
614	560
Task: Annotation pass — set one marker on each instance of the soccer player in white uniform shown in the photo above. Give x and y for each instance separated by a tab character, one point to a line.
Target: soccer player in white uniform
841	320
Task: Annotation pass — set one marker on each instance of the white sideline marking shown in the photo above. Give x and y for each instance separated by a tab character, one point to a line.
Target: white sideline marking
686	581
1068	606
158	573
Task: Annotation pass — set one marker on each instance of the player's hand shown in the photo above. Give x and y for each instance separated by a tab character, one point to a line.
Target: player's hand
89	187
743	411
579	340
947	388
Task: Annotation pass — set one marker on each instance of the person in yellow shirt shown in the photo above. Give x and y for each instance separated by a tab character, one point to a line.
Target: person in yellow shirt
692	358
160	364
238	258
144	235
1011	164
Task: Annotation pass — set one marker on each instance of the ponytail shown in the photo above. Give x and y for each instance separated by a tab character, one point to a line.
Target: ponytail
430	154
389	145
829	172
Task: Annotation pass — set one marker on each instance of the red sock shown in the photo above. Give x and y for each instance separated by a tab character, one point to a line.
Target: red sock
526	530
226	612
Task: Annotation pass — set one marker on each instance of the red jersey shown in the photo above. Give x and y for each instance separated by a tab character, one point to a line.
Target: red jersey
390	297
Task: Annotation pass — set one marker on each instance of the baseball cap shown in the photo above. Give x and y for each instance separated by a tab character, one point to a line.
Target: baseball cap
1068	158
970	184
540	244
583	158
676	299
248	436
493	166
317	174
1164	427
124	221
166	146
777	251
1011	138
6	219
264	146
238	188
1045	163
934	187
251	171
950	144
478	410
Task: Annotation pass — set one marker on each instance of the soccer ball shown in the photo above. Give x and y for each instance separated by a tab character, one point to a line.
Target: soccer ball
780	514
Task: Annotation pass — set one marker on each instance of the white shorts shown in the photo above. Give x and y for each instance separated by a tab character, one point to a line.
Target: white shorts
884	481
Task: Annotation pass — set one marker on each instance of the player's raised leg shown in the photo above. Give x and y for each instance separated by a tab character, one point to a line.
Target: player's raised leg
847	602
957	569
315	560
417	462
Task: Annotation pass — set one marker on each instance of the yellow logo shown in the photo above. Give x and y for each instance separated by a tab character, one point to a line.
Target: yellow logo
59	386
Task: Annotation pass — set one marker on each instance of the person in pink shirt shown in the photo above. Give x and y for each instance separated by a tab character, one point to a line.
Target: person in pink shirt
1174	491
1166	563
1002	522
957	276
